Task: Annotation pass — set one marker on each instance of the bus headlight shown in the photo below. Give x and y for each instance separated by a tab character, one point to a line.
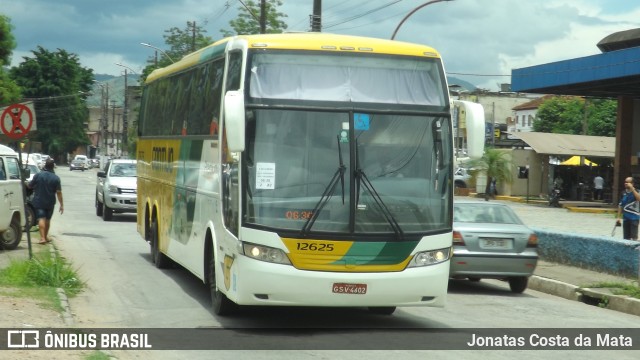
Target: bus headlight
265	253
431	257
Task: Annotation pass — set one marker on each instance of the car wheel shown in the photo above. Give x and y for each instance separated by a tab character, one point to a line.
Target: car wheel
518	284
161	260
220	303
98	206
382	310
107	213
12	236
30	214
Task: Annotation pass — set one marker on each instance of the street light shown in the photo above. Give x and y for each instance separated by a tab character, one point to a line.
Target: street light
411	13
158	49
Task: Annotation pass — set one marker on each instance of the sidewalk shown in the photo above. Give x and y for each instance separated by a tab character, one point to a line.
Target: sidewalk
568	281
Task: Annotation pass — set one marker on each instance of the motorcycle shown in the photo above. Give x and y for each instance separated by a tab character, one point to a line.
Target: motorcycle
554	197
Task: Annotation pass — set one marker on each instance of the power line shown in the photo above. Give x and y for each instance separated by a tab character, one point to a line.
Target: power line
339	22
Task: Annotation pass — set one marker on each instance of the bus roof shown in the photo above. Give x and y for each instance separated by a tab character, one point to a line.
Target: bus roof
312	41
5	150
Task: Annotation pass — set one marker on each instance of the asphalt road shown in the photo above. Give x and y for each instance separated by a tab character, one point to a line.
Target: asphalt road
125	290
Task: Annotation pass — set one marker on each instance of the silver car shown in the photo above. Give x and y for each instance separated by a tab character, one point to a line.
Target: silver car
116	189
490	241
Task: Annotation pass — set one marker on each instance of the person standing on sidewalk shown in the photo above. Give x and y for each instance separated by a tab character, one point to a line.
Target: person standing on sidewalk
598	185
46	185
629	210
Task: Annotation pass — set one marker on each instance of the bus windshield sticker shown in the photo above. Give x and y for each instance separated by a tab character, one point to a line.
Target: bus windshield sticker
361	121
266	176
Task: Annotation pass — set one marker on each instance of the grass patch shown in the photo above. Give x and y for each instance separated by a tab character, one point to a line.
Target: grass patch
97	355
618	288
43	270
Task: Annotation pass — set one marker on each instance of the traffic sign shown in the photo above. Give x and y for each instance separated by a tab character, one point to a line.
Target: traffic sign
16	121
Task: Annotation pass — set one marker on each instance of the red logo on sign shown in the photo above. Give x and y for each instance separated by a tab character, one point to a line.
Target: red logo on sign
19	119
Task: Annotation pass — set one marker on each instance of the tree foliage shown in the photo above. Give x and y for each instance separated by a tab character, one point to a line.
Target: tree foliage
566	115
247	21
495	164
9	90
59	86
180	42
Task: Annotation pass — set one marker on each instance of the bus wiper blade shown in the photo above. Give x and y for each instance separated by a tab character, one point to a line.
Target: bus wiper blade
388	215
327	194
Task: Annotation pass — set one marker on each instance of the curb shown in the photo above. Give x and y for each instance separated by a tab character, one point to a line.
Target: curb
67	317
598	297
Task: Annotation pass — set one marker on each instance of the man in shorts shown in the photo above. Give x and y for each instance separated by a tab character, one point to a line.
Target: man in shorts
46	186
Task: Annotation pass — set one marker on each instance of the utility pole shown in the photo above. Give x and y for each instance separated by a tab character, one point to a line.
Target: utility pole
316	18
124	116
105	119
193	36
263	16
113	124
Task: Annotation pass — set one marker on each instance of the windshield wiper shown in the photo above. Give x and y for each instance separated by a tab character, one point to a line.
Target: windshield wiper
327	194
388	215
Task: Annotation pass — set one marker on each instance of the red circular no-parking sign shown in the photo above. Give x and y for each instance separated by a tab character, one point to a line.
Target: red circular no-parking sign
16	121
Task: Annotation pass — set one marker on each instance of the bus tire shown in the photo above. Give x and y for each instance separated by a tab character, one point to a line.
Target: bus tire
382	310
220	304
12	236
159	259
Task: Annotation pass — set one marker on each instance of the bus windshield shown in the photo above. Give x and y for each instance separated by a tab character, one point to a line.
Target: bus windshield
395	179
347	78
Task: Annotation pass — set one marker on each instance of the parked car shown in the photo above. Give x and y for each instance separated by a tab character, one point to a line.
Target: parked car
461	178
77	165
84	159
12	210
116	189
490	241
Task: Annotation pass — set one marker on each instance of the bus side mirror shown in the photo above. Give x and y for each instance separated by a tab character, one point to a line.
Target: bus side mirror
234	121
26	172
475	127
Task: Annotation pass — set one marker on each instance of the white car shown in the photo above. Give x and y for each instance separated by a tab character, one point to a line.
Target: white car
116	189
461	178
12	214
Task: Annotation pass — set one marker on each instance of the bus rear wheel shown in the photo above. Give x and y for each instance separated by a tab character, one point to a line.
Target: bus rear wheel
161	260
220	304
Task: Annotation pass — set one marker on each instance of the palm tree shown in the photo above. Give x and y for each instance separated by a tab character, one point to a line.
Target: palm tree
497	165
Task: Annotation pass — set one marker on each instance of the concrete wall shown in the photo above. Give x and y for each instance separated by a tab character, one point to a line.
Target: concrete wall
599	253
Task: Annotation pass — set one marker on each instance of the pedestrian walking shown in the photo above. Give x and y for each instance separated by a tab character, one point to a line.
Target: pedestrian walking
46	186
629	210
598	185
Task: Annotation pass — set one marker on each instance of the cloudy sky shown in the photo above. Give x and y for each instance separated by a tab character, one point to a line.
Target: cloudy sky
480	40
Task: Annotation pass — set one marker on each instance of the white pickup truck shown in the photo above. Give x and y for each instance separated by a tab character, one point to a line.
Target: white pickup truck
12	210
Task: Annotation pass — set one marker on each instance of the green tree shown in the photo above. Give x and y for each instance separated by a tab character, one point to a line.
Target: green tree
248	22
566	115
59	86
497	165
180	42
9	90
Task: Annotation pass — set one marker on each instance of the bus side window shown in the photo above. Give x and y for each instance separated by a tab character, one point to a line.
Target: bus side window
3	176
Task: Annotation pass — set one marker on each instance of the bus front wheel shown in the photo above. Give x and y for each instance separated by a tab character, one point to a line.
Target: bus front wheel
220	304
382	310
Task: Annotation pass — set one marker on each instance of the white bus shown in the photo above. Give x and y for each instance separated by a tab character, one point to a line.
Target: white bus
301	169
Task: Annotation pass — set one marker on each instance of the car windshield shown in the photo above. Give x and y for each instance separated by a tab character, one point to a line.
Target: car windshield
123	170
484	213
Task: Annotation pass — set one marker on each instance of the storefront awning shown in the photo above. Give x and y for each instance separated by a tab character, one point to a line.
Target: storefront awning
563	144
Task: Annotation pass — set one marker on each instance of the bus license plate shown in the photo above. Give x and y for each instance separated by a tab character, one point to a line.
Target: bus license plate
344	288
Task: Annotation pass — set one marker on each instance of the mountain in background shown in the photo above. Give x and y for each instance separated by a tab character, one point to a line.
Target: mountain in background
115	86
463	84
